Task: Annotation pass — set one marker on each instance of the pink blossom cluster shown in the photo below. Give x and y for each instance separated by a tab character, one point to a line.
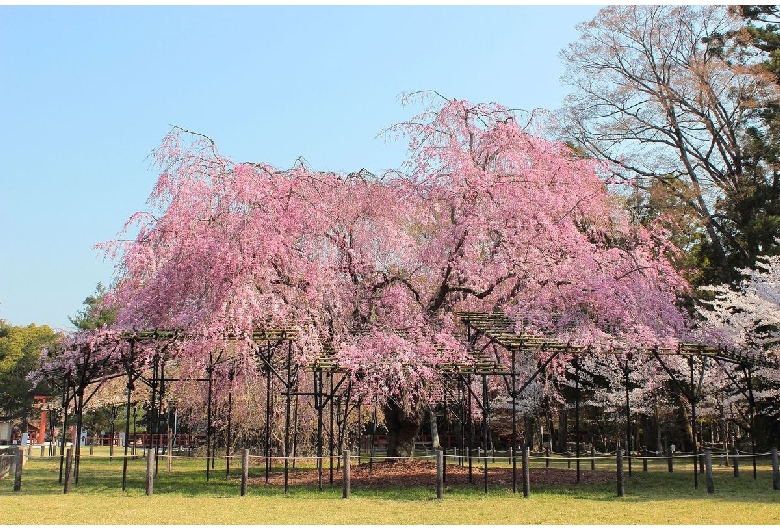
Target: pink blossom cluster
483	217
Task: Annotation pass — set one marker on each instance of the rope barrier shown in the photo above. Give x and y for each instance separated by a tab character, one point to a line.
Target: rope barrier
556	457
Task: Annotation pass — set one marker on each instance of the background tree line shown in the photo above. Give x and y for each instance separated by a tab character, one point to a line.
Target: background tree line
682	101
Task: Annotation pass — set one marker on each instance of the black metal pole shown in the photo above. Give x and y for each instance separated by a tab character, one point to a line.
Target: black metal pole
268	414
127	430
295	424
65	400
287	417
693	428
229	442
373	441
151	420
628	419
577	414
471	430
210	370
79	427
485	424
111	433
319	406
446	426
462	420
359	431
514	422
158	413
752	404
330	430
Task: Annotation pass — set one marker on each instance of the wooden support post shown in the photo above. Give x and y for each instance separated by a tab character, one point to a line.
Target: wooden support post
244	471
150	471
775	470
469	457
439	474
708	471
619	472
547	457
644	460
670	459
345	475
18	469
92	449
526	473
42	447
735	459
68	469
592	458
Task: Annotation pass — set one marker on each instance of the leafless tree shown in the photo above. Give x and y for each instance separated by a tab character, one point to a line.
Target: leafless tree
653	98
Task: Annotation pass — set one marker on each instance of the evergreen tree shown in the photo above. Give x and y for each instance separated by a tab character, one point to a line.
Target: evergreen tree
95	314
20	348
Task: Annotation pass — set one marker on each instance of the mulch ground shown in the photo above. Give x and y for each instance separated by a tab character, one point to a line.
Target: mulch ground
423	473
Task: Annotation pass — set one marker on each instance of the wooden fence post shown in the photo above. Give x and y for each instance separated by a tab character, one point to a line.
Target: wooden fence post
42	448
345	476
18	470
150	471
439	474
547	457
644	459
775	470
592	458
670	459
619	472
526	473
244	471
735	458
68	469
708	471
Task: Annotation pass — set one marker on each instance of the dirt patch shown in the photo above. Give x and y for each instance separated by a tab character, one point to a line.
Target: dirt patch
423	473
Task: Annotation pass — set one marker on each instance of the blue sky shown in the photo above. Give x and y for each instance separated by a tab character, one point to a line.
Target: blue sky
87	92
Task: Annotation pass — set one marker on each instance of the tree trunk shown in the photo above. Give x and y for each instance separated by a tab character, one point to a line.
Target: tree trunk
684	423
435	442
530	425
402	428
563	427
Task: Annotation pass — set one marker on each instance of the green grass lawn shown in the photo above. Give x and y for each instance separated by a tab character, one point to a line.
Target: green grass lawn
184	497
